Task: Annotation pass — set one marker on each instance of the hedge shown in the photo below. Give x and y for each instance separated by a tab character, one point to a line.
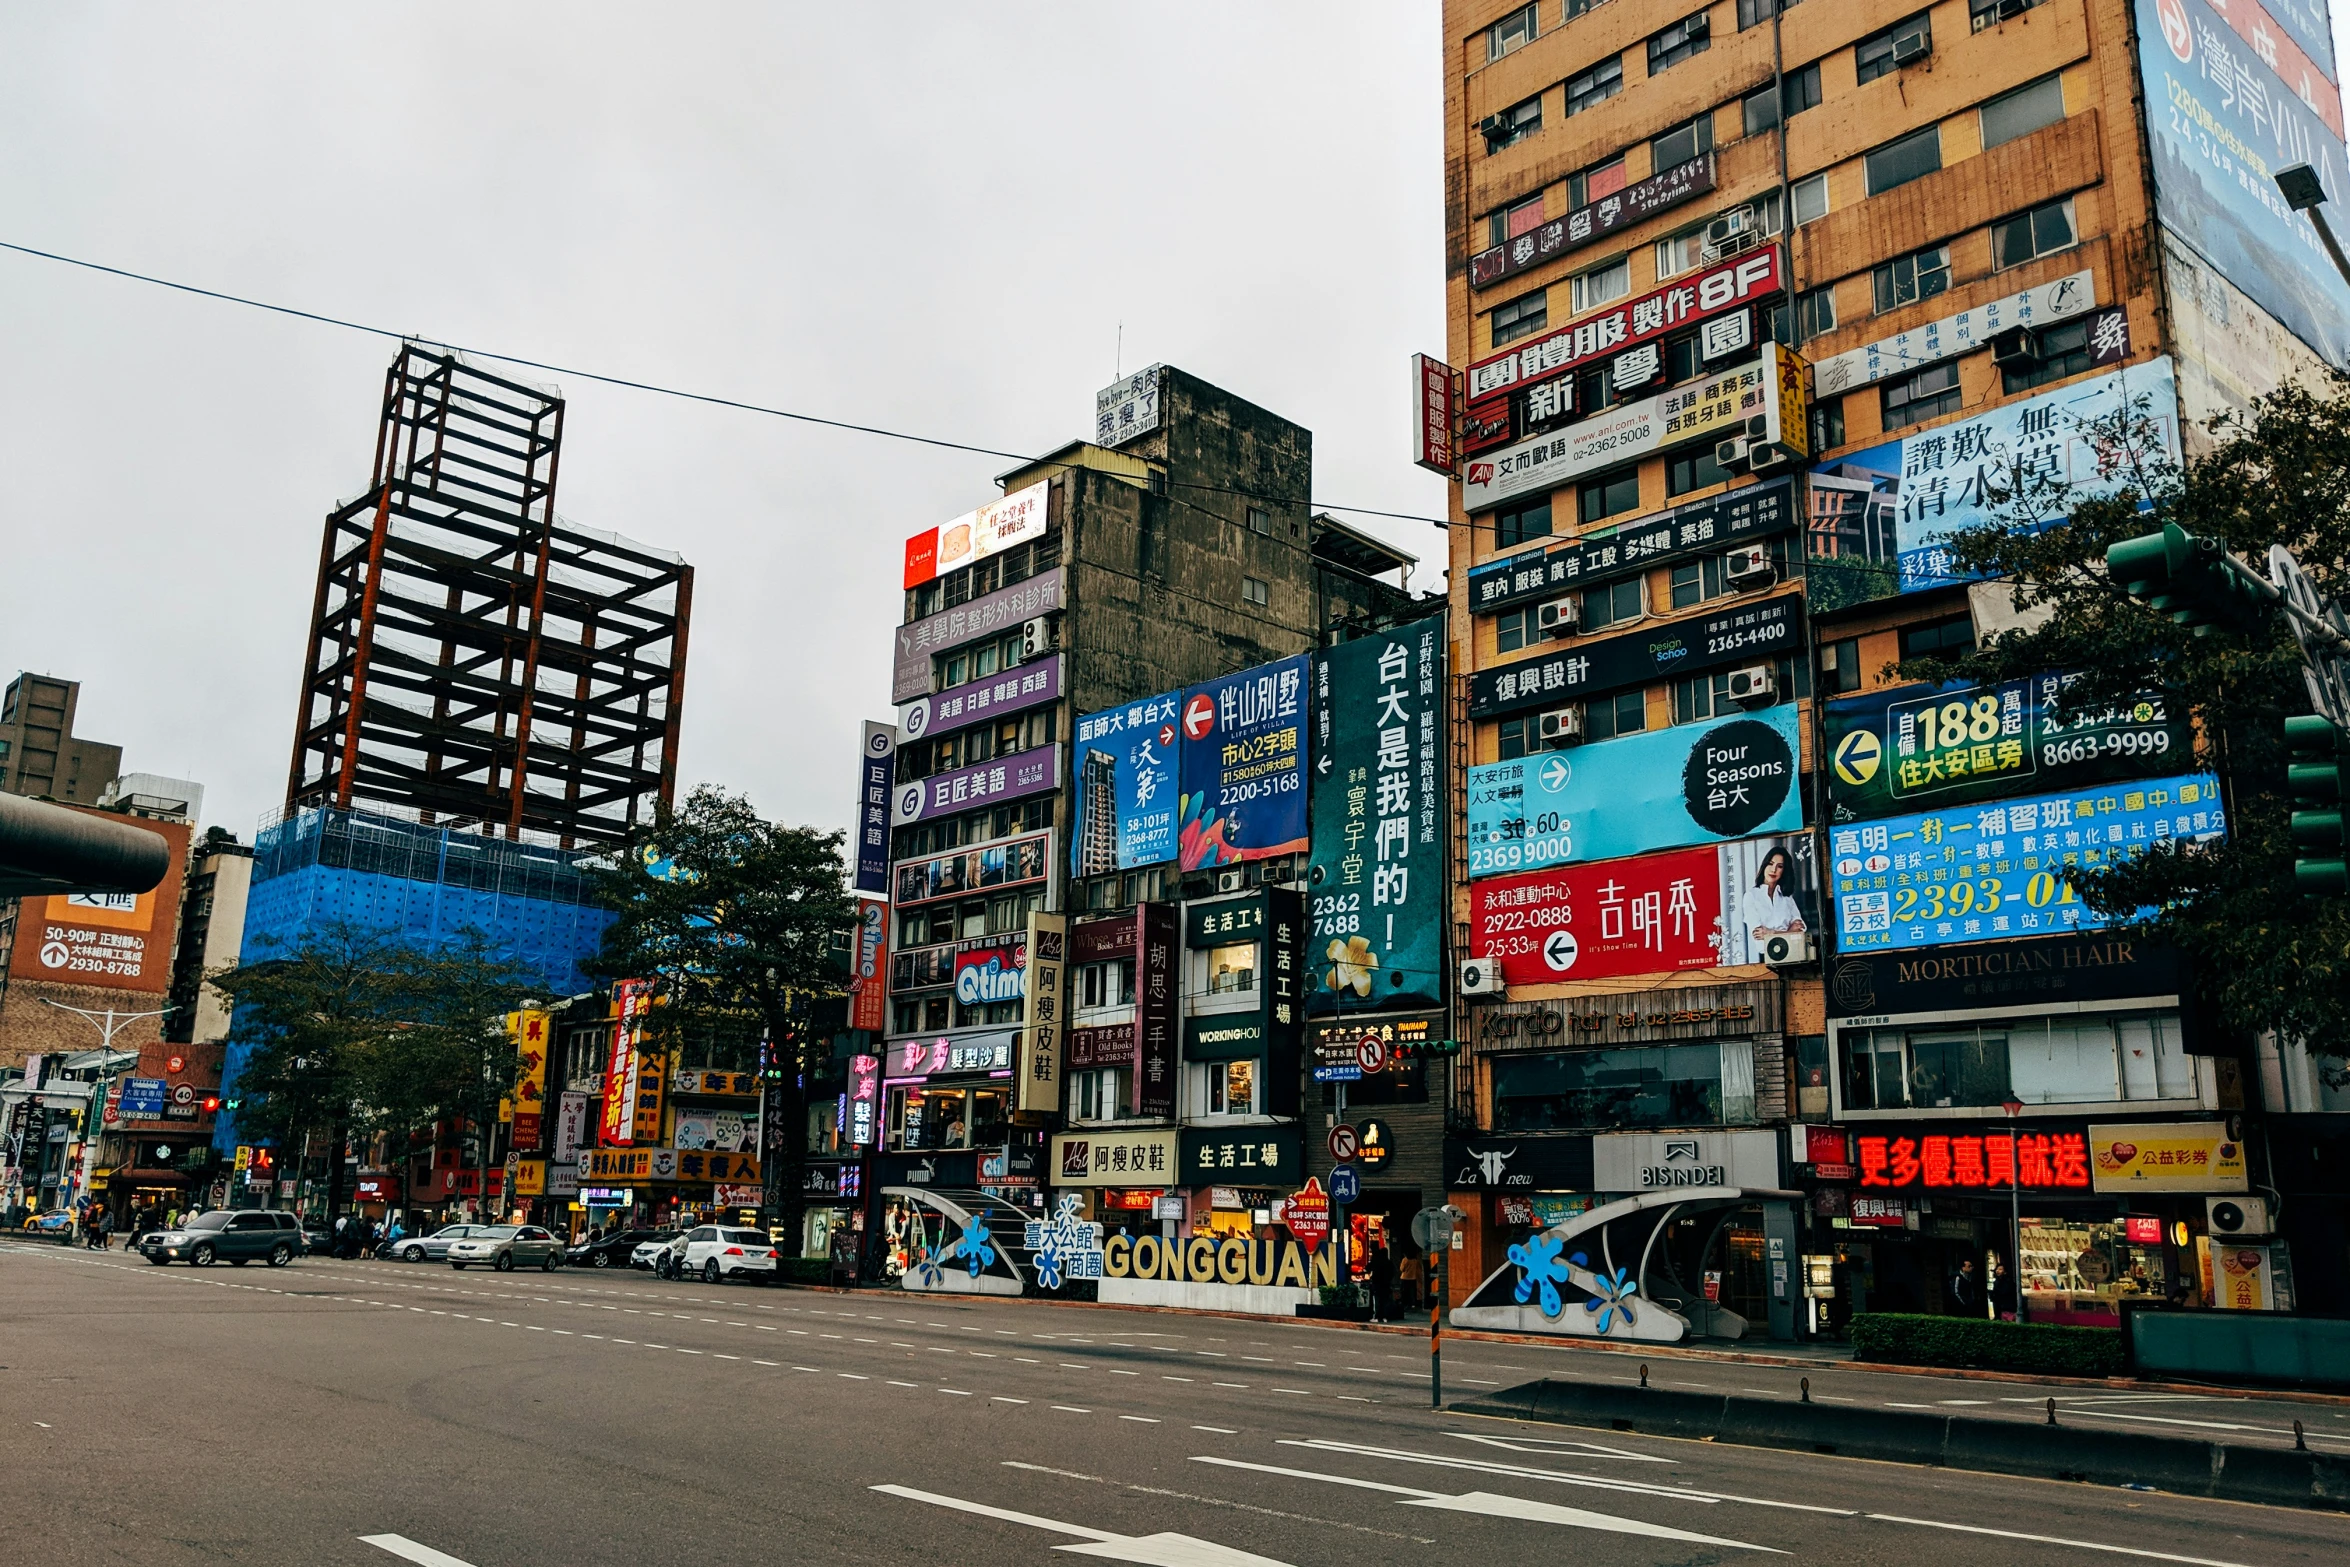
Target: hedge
1979	1344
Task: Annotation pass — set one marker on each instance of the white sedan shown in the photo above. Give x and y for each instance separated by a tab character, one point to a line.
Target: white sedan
717	1253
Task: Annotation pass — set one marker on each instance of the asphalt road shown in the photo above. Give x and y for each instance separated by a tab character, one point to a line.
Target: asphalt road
369	1413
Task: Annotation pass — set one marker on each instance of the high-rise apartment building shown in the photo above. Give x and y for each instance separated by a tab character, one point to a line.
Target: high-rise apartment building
1752	305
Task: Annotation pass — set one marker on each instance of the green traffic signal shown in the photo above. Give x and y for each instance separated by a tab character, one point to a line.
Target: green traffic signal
2318	779
2191	579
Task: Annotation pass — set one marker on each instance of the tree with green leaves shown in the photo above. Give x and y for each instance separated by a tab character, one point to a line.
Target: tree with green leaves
2264	956
735	921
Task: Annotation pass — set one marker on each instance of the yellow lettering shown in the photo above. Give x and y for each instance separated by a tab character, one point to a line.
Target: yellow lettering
1293	1266
1326	1267
1232	1260
1116	1256
1146	1257
1200	1259
1261	1255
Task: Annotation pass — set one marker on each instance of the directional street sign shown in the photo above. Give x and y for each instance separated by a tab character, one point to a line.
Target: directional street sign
1371	1054
1307	1213
1343	1143
1345	1185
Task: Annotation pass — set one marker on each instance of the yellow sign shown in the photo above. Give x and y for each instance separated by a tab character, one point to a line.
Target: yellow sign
528	1030
611	1166
1858	755
652	1071
530	1177
2165	1156
1794	427
1233	1259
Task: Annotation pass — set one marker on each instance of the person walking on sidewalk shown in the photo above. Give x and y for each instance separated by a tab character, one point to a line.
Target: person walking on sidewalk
1965	1291
1381	1267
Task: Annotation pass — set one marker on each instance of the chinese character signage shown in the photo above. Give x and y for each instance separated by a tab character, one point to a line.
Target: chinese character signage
1114	1158
529	1032
2230	100
652	1073
1654	790
1126	760
913	1058
1707	527
1652	914
919	641
864	1099
630	997
1964	333
1910	746
1936	482
984	700
1433	388
1594	220
1748	632
875	767
1156	1005
1012	777
1044	1015
2166	1156
1241	1155
1127	408
1977	873
1957	1161
1379	819
1738	281
974	536
1243	767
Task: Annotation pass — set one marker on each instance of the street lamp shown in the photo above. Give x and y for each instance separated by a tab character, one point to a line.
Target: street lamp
2303	193
2015	1208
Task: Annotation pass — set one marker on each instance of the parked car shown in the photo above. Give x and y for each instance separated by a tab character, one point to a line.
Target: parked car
648	1250
612	1251
318	1239
225	1236
55	1225
506	1247
434	1247
717	1253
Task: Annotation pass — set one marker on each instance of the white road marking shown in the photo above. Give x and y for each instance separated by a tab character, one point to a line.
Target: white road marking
1219	1430
1072	1409
1157	1550
1558	1477
408	1550
2050	1539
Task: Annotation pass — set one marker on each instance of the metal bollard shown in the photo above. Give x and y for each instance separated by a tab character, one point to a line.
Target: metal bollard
1644	1373
2052	1411
1807	1390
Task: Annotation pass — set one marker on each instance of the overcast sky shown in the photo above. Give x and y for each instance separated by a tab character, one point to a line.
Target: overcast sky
929	217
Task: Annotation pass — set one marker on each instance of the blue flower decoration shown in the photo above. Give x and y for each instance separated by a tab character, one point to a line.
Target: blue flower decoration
1538	1256
1612	1295
926	1268
1048	1266
975	1248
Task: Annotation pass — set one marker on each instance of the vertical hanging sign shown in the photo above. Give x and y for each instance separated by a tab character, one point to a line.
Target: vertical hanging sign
529	1033
876	770
1155	1027
1435	387
617	1128
1038	1064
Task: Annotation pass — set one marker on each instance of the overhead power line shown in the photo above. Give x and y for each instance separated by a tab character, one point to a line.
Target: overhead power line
653	387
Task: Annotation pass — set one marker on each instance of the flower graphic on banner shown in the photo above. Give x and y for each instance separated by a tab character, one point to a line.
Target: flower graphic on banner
1352	963
1048	1266
1538	1255
975	1248
1612	1295
927	1272
1065	1246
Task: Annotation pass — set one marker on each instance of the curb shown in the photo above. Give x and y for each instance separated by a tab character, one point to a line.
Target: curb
2269	1476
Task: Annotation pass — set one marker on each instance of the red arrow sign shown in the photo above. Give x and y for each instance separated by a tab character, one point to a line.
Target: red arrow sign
1199	716
1307	1214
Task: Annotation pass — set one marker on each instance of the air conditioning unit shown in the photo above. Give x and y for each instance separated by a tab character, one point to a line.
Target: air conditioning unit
1480	977
1756	685
1495	127
1910	48
1789	949
2011	9
1768	456
1731	224
1561	726
1710	250
1749	566
1559	617
1731	455
2017	348
2237	1218
1036	637
1231	881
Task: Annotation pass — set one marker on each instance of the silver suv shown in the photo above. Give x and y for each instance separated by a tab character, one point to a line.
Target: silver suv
223	1236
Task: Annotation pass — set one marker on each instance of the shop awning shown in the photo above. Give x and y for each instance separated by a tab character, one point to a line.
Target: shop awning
148	1178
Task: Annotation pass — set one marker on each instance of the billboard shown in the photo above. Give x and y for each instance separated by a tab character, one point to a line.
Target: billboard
1932	342
1377	883
2228	102
1746	632
1127	408
1980	872
1157	1000
1009	863
984	700
1651	914
105	940
1126	798
1044	996
1935	482
919	641
1434	383
974	536
1685	785
1243	767
869	989
876	767
1012	777
1909	746
1707	527
1595	220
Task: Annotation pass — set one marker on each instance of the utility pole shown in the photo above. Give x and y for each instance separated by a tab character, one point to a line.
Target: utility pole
2015	1210
108	1023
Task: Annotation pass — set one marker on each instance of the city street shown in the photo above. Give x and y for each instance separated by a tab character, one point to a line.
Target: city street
333	1413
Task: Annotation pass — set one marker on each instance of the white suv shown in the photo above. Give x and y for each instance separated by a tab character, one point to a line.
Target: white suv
716	1253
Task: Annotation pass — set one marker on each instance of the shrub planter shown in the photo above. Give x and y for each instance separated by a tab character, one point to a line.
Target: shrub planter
1978	1344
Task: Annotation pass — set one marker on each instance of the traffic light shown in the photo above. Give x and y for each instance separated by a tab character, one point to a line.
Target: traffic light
2192	580
1423	1049
211	1103
2318	779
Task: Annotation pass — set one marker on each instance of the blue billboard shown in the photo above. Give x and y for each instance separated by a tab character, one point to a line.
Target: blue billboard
1691	784
1981	872
1244	766
1126	787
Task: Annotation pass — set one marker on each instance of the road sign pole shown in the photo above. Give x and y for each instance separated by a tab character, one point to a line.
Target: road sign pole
1436	1330
1338	1209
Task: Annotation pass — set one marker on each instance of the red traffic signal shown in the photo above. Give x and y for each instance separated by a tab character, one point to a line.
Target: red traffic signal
211	1103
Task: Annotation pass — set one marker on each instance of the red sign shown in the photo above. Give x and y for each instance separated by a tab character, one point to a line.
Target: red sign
921	557
618	1128
1434	383
1130	1199
2142	1232
1737	281
1937	1162
1344	1142
1371	1053
1652	914
1307	1214
869	990
378	1188
1888	1211
1199	716
1826	1145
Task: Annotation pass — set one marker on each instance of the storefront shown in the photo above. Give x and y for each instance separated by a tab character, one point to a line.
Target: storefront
948	1093
1124	1177
1510	1186
663	1187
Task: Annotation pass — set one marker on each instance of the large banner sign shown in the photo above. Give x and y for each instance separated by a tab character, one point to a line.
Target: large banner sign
1911	745
1126	787
876	771
1243	768
1653	914
1706	527
1745	632
2229	101
1377	882
1687	784
1976	873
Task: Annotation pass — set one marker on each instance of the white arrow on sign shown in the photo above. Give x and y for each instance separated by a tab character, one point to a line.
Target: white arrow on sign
1559	950
1156	1550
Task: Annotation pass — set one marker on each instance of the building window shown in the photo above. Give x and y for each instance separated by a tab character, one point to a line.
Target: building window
1595	86
1904	43
1595	389
1611	605
1605	717
2067	1059
1840	667
1654	1085
1101	1095
1255	590
1683	142
1811	199
1232	1088
1609	495
1953	634
1602	179
1693	470
2022	112
1527	314
1697	582
1897	163
1753	13
1681	359
1258	522
1827	425
1513	31
1513	738
1798	90
1511	221
1602	285
1530	521
1692	35
1907	279
1921	395
1514	124
2030	235
1576	8
2063	350
1815	313
1989	13
1232	970
1509	632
